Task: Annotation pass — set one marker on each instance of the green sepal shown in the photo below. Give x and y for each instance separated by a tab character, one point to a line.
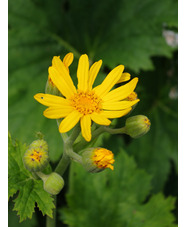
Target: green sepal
88	163
51	89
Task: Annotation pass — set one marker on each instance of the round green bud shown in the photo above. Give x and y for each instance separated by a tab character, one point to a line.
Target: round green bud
35	159
137	126
40	143
53	183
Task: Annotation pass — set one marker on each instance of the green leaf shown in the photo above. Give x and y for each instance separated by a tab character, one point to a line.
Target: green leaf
155	213
127	32
21	181
31	49
115	198
29	194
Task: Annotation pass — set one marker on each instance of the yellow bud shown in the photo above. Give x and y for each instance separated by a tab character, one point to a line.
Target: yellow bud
137	126
35	159
97	159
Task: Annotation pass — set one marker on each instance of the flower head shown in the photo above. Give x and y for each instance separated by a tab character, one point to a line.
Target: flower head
35	159
103	158
86	104
97	159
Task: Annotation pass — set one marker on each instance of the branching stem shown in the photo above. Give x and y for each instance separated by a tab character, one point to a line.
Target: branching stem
63	164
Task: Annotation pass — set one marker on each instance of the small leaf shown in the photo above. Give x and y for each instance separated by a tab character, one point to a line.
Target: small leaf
24	203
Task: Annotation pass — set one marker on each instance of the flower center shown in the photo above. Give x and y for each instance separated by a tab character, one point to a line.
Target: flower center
103	158
86	102
36	156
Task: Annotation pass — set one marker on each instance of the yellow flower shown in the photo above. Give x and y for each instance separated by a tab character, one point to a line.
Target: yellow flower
97	159
86	104
103	158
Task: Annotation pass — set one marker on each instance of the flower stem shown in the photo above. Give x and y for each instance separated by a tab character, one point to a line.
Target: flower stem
73	155
83	143
51	222
115	130
68	152
63	164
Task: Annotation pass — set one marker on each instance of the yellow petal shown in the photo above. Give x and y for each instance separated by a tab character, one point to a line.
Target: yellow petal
100	119
116	113
57	112
63	72
51	100
94	69
118	105
121	92
109	81
86	127
68	59
82	72
62	84
69	122
124	77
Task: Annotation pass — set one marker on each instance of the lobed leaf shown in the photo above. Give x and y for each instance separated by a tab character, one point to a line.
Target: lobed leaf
115	198
22	185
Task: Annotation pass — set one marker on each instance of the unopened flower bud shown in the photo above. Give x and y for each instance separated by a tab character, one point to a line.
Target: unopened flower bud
39	144
35	159
50	88
53	183
97	159
137	126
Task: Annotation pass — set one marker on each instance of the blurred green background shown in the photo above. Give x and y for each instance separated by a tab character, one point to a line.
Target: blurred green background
142	35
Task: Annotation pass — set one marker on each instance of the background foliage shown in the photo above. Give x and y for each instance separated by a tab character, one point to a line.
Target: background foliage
118	32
